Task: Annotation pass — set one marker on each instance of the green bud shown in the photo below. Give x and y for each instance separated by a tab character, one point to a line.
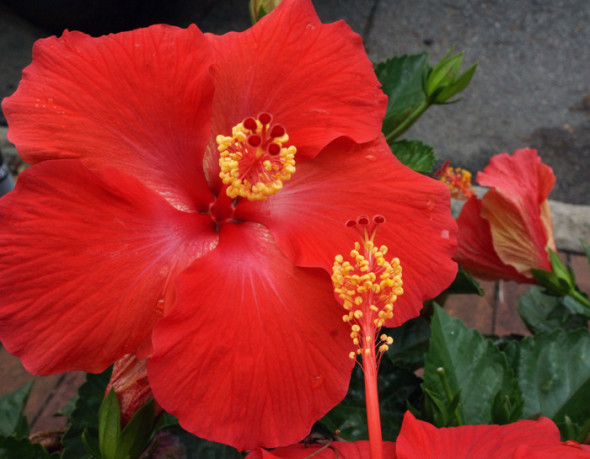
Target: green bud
260	8
444	81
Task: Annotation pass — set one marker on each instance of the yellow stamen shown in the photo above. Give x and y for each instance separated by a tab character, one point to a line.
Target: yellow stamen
367	286
458	180
254	160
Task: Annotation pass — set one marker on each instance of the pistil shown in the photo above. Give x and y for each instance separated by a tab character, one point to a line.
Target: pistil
368	287
255	160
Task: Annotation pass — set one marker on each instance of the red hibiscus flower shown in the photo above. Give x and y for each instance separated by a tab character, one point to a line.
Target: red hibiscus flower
418	439
508	231
188	196
523	439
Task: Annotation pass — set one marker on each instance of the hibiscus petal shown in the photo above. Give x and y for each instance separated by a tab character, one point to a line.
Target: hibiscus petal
520	185
86	260
334	450
475	250
421	439
137	101
314	78
255	349
345	181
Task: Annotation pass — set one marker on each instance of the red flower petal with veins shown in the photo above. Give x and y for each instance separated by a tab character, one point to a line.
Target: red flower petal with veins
334	450
137	101
476	250
316	80
419	439
270	347
86	262
346	180
516	219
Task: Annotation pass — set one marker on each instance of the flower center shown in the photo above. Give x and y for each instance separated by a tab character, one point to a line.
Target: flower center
367	287
458	180
254	161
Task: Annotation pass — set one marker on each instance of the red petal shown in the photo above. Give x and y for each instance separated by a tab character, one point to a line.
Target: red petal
475	250
137	101
255	350
307	217
314	78
86	260
568	449
520	186
337	449
421	439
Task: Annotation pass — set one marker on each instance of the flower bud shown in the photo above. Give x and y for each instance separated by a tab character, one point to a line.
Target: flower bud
259	8
443	81
130	382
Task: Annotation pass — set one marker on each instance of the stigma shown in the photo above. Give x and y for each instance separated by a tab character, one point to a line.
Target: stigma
255	160
367	285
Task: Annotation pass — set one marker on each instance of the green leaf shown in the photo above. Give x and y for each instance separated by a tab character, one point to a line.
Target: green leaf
15	448
475	370
396	387
12	406
401	80
85	417
165	421
410	343
554	376
544	313
464	284
137	433
415	155
109	426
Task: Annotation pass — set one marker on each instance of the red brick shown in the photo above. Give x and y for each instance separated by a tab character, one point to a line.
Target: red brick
581	269
475	311
48	395
508	321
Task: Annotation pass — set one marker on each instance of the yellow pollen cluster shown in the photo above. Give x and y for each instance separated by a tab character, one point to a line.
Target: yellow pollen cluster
254	161
367	288
458	180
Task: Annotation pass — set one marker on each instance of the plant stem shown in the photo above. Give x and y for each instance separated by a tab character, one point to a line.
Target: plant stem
372	400
580	298
407	123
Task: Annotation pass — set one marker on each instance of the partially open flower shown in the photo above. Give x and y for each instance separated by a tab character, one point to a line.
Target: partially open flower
508	231
130	383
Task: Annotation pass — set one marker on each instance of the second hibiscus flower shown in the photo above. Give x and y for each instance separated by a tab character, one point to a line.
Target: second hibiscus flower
508	231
